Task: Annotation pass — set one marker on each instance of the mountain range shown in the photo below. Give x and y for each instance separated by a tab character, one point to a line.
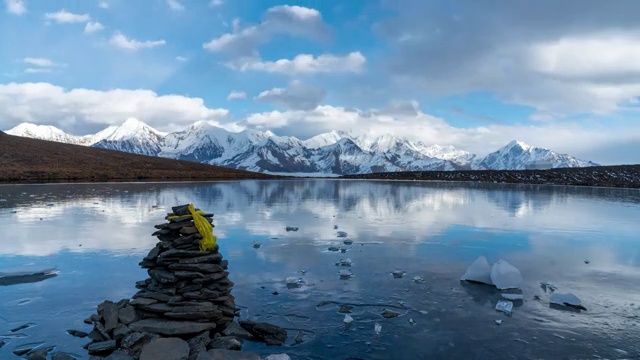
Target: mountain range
335	152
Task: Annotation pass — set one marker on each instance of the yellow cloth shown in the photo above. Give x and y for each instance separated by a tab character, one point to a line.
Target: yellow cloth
205	229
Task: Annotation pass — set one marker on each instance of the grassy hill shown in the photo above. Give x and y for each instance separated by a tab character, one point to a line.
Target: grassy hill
30	160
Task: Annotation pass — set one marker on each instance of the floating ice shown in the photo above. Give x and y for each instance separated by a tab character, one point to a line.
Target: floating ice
293	282
504	306
398	274
412	322
344	274
377	328
505	275
512	294
418	279
345	262
567	299
498	322
26	270
347	319
479	271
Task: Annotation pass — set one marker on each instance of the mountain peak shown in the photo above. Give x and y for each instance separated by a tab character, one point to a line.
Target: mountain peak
518	143
133	128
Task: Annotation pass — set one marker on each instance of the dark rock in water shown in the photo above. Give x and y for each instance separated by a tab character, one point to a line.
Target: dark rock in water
102	347
235	330
119	355
23	351
77	333
201	267
291	228
348	242
110	315
165	349
127	314
334	248
95	335
341	234
211	258
153	254
21	327
226	343
63	356
40	354
162	276
267	333
387	314
2	343
167	327
181	210
345	309
143	301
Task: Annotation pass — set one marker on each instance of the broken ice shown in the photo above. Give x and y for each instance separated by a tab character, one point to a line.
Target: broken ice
504	306
347	319
293	282
479	271
26	274
512	294
377	328
567	299
345	274
505	275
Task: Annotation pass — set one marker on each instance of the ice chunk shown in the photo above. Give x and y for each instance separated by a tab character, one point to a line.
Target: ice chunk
347	319
418	279
398	274
479	271
345	274
512	294
498	322
505	275
345	262
293	282
567	299
504	306
377	328
278	357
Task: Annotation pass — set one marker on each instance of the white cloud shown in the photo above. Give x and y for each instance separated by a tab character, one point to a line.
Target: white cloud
38	61
175	5
103	5
181	58
16	7
297	96
237	95
121	41
93	27
65	17
291	20
36	70
216	3
44	103
305	64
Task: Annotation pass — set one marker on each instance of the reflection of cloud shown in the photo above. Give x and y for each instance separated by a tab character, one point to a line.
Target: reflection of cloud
119	217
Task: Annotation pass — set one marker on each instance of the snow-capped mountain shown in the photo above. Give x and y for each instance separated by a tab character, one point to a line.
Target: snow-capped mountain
517	155
336	152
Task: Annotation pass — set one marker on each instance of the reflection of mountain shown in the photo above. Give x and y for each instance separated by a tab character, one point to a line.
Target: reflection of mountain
81	213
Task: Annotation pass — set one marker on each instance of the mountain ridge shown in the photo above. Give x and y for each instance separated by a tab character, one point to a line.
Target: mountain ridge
335	152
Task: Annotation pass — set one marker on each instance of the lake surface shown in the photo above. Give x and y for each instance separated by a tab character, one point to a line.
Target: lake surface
581	240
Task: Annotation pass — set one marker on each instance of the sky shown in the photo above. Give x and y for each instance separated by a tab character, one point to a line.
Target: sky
564	75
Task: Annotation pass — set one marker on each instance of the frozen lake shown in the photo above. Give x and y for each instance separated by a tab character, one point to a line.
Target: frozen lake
580	240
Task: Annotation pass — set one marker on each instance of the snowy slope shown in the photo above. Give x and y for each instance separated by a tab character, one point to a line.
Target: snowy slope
336	152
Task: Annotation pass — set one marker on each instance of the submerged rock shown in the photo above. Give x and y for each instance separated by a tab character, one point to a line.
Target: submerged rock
165	349
568	300
291	228
269	334
345	274
505	275
388	314
479	271
218	354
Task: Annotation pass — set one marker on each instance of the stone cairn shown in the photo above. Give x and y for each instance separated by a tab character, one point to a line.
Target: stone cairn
184	310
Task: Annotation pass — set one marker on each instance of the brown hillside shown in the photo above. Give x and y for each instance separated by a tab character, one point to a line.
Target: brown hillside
30	160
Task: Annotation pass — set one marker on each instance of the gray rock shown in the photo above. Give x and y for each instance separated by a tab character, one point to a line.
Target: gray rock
203	294
189	288
212	277
162	276
142	301
153	254
119	355
211	258
153	295
101	329
179	225
168	327
237	331
387	314
198	344
225	343
181	210
122	303
291	228
195	315
167	289
127	314
95	335
195	307
181	274
40	354
120	331
278	357
267	333
188	230
186	240
62	356
77	333
199	267
165	349
218	354
159	308
102	347
177	253
2	343
110	315
132	339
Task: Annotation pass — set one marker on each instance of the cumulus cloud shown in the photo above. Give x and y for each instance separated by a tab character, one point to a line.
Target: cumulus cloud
304	64
175	5
119	40
296	96
93	27
557	66
181	58
65	17
38	61
44	103
16	7
237	95
285	19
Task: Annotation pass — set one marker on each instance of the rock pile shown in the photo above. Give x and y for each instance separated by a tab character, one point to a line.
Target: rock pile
183	309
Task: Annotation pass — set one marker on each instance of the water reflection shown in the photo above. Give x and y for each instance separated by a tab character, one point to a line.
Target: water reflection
96	234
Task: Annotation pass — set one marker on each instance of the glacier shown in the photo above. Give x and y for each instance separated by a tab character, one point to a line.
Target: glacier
332	153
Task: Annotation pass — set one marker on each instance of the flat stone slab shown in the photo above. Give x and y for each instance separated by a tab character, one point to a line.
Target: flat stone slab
165	349
167	327
269	334
102	346
219	354
199	267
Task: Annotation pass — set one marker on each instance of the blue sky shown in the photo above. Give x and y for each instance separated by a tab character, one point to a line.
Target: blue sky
563	76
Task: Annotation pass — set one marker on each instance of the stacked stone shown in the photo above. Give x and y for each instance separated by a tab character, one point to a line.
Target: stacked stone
185	283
